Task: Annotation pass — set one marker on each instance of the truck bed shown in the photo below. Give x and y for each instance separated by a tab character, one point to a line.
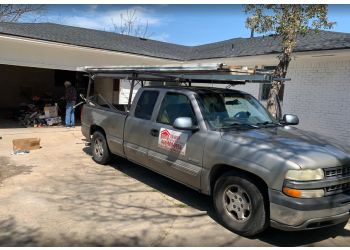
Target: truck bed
112	121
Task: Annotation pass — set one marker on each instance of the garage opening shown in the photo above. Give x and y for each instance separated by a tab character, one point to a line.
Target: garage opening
27	92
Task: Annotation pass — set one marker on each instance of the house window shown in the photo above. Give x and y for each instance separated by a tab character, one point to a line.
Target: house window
265	90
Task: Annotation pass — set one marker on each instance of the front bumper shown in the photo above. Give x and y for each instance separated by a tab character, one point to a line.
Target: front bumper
293	214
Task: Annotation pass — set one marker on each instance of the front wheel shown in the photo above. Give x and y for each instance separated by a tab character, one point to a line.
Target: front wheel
100	150
240	205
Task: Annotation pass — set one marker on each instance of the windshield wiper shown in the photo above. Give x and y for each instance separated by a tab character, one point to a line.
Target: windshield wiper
235	124
268	123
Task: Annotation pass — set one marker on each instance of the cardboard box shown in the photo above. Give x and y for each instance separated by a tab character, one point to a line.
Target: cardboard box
26	144
51	111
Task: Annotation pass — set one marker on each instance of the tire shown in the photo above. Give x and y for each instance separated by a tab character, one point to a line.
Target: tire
99	147
240	205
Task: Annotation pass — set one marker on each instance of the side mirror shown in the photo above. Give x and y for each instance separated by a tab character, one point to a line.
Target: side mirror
184	123
290	119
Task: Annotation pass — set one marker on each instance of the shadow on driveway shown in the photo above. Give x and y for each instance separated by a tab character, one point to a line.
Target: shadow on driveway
301	238
202	202
12	234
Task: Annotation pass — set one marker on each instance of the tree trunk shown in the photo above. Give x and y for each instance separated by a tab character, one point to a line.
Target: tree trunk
273	101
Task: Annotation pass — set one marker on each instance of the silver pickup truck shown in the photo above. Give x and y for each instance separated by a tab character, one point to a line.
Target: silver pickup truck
259	171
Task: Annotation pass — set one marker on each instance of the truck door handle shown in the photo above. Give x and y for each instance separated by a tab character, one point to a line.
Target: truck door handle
154	132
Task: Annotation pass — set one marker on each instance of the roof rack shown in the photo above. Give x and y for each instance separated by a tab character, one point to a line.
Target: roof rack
191	73
214	73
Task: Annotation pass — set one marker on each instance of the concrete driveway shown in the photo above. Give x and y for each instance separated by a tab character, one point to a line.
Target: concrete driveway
57	196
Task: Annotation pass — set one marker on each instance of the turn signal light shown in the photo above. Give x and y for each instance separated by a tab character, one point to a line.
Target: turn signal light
296	193
292	192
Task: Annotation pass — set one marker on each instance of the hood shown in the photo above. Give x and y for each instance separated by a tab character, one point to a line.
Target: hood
307	149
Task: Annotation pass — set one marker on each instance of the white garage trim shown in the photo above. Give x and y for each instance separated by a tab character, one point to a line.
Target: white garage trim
52	55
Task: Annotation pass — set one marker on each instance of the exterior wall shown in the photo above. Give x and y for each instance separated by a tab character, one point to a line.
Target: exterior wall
319	94
251	88
104	87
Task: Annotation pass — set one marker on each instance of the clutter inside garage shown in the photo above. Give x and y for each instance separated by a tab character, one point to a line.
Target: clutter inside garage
32	97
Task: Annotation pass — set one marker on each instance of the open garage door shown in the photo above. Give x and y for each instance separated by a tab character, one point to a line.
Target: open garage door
26	91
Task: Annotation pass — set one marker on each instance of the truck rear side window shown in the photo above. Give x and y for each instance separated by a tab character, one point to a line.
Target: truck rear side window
145	105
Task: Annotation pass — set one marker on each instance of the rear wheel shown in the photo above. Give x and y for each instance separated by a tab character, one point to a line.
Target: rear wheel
240	204
100	151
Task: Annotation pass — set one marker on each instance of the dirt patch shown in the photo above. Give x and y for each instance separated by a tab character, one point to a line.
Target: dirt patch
8	169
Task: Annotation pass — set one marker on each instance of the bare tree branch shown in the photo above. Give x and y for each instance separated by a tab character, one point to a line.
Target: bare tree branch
14	12
130	24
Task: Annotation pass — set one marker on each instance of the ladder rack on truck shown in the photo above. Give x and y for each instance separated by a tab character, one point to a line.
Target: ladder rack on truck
190	73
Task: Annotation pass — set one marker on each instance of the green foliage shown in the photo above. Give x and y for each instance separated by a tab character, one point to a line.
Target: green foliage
287	20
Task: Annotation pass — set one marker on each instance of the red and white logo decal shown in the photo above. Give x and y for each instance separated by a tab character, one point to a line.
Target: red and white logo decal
173	141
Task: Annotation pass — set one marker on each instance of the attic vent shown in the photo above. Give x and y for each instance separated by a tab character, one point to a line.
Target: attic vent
143	39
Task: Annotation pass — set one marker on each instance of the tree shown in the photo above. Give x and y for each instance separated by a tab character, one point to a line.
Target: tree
14	12
287	21
131	25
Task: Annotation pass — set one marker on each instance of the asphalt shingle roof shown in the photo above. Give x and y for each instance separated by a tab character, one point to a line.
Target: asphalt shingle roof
323	40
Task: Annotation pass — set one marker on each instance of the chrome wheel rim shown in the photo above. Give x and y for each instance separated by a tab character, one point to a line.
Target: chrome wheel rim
98	147
237	203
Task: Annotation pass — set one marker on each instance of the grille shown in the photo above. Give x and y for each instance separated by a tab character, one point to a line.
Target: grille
337	188
337	172
334	173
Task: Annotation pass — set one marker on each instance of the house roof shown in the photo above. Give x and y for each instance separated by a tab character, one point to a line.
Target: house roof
237	47
94	39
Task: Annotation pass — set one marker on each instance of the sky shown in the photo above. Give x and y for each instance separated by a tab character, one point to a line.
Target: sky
180	24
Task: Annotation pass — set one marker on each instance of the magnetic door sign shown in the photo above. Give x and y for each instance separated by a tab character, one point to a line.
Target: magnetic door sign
173	141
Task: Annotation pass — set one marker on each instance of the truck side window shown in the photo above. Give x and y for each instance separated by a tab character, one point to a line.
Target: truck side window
175	105
145	105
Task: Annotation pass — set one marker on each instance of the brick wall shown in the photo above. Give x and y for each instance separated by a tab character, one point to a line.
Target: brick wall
251	88
319	93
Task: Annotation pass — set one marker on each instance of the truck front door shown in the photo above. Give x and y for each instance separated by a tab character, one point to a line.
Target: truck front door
173	152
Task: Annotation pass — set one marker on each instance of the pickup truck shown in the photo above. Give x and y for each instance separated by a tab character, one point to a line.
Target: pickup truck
259	171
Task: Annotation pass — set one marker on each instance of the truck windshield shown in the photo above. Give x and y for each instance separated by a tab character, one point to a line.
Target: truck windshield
229	110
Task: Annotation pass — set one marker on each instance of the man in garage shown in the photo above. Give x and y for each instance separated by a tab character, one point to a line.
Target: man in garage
70	97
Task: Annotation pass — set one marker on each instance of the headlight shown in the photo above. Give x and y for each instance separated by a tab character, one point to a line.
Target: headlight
296	193
305	175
